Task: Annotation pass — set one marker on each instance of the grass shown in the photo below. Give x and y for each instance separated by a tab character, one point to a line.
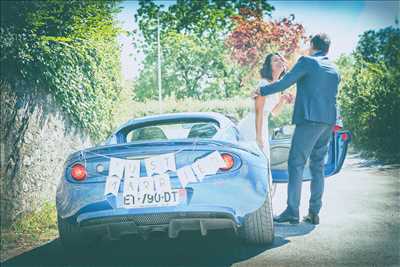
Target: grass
30	230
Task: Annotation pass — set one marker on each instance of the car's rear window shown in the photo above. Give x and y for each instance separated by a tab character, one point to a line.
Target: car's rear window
173	130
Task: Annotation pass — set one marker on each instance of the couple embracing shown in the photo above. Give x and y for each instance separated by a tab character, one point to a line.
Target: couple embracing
314	115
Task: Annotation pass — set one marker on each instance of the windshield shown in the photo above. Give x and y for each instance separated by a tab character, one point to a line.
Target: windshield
172	130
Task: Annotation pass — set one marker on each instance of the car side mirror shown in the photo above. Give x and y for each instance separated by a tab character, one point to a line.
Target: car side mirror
276	132
283	132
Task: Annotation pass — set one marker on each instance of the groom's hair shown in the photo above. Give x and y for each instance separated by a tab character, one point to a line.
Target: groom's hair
321	42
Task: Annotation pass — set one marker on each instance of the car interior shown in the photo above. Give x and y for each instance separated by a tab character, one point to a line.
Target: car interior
196	130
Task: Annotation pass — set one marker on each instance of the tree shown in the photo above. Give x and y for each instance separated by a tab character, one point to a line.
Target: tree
195	62
198	17
253	37
67	49
191	68
370	93
205	46
380	46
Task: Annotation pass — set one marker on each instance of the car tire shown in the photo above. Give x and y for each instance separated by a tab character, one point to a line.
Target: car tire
70	235
258	227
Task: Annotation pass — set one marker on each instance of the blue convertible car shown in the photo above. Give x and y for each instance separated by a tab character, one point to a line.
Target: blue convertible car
236	195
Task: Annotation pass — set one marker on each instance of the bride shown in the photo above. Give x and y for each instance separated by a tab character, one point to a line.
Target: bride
254	126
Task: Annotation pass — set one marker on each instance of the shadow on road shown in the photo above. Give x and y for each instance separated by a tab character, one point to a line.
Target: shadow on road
286	230
220	248
366	164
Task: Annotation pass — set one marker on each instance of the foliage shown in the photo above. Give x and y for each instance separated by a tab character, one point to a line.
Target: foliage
30	228
191	67
196	61
370	94
252	38
199	18
380	46
282	119
235	108
68	49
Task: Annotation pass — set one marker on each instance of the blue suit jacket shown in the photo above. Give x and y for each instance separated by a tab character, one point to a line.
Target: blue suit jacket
317	86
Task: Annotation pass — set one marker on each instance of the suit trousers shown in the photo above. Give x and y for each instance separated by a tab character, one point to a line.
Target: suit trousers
310	141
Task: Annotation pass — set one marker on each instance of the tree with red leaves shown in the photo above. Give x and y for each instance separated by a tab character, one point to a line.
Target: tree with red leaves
253	37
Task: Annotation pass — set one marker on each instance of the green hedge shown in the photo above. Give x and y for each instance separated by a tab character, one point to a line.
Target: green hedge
370	94
67	49
234	108
370	104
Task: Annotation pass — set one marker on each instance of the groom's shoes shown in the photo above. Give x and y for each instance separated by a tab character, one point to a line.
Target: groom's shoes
286	217
311	218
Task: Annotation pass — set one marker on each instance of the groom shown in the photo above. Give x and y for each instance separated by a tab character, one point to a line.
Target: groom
314	115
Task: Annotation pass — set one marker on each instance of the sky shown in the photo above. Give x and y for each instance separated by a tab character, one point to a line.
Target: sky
342	20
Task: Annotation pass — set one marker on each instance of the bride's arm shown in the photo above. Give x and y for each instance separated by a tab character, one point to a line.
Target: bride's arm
278	108
283	100
259	108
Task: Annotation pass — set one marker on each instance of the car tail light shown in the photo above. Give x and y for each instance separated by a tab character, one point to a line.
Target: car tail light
78	172
337	128
344	136
229	161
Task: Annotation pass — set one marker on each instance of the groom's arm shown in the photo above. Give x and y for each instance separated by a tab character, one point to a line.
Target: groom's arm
298	71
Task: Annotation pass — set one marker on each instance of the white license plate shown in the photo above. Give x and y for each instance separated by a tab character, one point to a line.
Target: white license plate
161	199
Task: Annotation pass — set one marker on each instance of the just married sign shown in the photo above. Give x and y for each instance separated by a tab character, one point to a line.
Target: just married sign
155	188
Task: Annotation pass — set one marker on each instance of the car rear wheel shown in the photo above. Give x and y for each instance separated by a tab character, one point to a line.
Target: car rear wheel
258	227
70	235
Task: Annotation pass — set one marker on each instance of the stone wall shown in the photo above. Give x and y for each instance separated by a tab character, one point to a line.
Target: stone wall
36	138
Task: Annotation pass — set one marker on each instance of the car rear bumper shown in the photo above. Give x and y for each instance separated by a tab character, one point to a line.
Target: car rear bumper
236	194
115	227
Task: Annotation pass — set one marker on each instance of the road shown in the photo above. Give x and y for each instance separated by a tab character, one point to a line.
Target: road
360	226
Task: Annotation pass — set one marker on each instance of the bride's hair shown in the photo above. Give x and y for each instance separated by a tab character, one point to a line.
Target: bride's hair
266	69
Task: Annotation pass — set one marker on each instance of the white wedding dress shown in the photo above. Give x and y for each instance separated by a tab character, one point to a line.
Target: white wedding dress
247	126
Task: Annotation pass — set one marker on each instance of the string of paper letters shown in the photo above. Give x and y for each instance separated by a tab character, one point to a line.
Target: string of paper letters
157	179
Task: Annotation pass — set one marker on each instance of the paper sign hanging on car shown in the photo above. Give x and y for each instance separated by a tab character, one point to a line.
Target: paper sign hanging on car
162	183
132	168
112	185
214	163
116	167
131	186
146	185
199	169
208	165
186	175
216	160
160	164
131	190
